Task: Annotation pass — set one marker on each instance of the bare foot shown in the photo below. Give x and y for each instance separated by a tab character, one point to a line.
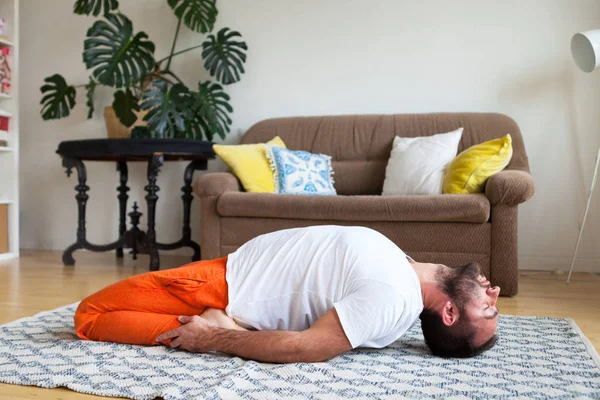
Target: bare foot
220	319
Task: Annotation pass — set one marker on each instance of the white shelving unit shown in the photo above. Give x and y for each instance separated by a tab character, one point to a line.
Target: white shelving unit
9	106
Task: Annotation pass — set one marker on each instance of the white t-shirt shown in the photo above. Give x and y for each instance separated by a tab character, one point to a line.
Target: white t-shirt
286	280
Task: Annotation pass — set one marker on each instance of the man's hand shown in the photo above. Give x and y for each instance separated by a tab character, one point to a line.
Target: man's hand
193	335
324	340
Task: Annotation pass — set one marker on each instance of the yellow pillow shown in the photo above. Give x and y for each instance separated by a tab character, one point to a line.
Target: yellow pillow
250	164
469	171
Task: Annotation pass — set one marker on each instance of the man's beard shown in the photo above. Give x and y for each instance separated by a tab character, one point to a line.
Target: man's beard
459	283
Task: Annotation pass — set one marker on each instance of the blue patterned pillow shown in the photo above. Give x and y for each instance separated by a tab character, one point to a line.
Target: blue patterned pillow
301	172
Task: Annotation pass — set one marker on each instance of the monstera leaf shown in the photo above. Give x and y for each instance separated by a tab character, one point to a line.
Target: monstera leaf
59	98
95	7
124	104
169	108
90	90
198	15
120	59
224	57
211	111
141	132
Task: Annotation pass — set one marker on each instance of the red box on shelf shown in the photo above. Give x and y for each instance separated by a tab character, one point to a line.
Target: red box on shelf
4	123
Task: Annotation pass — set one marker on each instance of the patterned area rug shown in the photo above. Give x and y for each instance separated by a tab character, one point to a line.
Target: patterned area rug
535	358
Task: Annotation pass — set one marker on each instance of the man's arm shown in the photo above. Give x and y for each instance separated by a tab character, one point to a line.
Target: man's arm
324	340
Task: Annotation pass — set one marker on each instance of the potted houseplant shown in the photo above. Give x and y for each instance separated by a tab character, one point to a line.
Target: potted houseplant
148	93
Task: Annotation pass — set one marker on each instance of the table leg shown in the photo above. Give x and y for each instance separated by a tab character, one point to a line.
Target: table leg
187	197
82	198
122	189
154	165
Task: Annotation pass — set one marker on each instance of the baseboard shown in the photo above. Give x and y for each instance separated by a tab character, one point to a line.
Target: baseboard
559	264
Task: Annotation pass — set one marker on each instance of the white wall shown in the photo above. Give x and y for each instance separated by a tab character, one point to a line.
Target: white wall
316	57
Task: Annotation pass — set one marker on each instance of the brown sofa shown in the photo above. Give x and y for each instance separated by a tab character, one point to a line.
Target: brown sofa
448	229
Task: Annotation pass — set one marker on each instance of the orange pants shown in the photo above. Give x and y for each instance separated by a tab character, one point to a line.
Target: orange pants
138	309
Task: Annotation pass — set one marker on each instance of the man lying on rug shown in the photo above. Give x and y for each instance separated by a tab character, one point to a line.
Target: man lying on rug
306	295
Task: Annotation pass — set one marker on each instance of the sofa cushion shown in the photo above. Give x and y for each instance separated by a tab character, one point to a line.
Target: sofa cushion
249	164
436	242
301	172
417	165
469	171
473	208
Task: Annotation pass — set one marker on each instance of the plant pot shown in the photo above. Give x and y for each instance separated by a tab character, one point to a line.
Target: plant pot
115	129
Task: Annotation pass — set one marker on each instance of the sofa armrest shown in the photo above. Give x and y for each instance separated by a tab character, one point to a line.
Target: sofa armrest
510	187
215	183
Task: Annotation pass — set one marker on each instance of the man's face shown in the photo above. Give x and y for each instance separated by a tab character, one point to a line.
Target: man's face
482	310
473	295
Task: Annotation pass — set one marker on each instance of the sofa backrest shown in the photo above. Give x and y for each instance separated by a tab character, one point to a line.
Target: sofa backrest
360	145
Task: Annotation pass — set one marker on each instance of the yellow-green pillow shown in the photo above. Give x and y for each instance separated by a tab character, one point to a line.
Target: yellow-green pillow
249	163
469	171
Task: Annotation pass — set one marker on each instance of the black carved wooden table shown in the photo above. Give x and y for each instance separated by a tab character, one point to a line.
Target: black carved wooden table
121	151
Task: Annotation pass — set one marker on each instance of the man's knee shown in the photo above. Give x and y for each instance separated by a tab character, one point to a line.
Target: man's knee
84	319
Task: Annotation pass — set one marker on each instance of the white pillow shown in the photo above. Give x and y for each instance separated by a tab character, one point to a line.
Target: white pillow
418	165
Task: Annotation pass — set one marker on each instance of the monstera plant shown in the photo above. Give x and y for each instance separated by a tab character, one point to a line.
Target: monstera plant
121	58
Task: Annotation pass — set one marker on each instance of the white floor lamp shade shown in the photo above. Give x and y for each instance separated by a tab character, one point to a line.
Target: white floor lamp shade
585	47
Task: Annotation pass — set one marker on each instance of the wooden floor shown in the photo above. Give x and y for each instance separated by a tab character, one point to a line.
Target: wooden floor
38	281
